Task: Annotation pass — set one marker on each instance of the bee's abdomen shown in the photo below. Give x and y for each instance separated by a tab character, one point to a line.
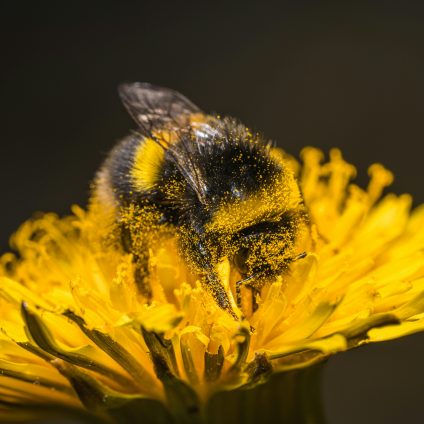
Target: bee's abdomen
134	174
114	182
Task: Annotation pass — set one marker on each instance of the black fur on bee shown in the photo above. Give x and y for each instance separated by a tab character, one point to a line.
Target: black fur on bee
211	182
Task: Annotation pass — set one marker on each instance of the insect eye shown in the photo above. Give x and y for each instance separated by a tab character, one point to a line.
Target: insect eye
240	259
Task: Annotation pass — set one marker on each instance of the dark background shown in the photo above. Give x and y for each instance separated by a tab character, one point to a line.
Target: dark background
321	74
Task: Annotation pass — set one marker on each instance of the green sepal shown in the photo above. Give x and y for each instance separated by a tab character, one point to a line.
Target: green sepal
213	364
42	336
160	346
41	414
357	333
259	371
182	400
242	350
115	350
15	371
189	365
112	406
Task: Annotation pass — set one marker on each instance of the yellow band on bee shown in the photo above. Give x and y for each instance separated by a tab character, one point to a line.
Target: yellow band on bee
148	160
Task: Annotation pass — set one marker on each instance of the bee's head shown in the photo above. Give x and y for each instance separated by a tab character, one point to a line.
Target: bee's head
259	231
241	200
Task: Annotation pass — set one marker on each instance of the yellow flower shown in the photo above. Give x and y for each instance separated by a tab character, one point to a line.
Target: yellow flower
76	335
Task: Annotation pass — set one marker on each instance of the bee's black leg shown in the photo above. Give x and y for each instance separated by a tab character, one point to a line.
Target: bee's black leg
141	265
254	291
238	293
240	283
141	277
217	290
126	241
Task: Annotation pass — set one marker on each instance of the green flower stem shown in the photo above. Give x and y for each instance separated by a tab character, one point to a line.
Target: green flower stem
288	397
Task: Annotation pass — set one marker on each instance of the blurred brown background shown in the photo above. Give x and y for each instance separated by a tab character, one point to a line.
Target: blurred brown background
303	72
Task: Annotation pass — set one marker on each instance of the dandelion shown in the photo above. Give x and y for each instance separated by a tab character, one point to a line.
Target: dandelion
77	338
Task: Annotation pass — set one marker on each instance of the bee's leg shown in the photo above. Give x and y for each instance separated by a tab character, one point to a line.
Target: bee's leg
212	285
141	264
141	276
126	241
297	257
255	292
244	281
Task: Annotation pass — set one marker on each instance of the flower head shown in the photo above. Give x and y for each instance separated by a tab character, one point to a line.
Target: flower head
76	333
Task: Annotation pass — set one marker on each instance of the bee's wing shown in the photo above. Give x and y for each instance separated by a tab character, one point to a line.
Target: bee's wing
154	107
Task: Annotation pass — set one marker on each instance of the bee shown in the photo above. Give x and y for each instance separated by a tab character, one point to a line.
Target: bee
221	190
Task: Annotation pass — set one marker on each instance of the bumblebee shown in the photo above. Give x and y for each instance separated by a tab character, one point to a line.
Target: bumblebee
222	191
